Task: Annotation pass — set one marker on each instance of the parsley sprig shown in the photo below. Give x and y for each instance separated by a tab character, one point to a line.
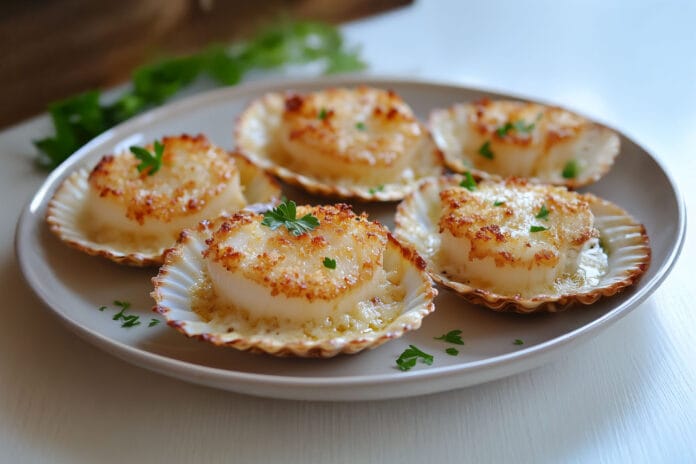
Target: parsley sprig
151	162
80	118
453	336
543	213
485	150
468	183
285	214
410	356
570	170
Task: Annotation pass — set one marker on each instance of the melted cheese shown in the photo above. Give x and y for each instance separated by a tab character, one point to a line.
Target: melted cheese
494	247
278	278
136	211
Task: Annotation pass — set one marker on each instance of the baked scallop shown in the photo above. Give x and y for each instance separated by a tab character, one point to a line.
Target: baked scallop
356	143
516	246
494	139
130	211
338	285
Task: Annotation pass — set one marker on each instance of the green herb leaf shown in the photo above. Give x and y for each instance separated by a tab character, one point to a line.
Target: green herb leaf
543	213
453	336
518	342
503	130
409	357
570	170
322	114
329	263
537	229
153	322
360	126
102	308
286	214
522	127
468	183
452	351
485	150
149	161
498	203
130	321
79	119
374	190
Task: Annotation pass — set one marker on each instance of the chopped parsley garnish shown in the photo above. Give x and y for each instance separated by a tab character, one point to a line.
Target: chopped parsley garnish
286	214
129	320
374	190
485	150
498	203
153	322
322	114
519	126
410	356
102	308
570	170
468	183
329	263
150	161
538	229
518	342
503	130
360	126
452	351
453	336
80	118
543	213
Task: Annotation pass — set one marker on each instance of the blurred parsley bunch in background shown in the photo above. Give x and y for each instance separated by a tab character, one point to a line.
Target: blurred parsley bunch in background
78	119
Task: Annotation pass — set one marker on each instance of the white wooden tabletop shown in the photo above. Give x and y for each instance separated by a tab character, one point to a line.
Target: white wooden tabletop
627	395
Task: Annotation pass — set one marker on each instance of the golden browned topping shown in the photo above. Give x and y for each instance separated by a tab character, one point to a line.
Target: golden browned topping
516	123
366	126
294	265
193	172
529	225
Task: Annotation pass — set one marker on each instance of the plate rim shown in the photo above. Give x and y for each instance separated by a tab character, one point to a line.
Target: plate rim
198	373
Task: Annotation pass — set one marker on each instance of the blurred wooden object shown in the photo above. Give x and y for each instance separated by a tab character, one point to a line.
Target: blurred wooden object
54	49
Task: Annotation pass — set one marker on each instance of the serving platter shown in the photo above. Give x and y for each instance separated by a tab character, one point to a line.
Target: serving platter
75	286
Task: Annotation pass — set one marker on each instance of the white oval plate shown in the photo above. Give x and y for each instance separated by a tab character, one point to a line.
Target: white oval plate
75	285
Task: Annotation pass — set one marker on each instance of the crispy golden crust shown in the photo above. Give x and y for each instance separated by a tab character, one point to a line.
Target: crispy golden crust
625	241
193	172
327	124
501	232
293	265
495	139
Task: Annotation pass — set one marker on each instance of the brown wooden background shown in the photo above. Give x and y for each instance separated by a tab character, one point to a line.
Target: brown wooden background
53	49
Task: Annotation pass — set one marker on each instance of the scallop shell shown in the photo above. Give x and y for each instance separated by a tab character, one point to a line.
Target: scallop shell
67	204
626	241
257	133
461	130
184	271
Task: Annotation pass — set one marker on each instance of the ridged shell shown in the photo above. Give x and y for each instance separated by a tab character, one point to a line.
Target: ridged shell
258	131
68	202
629	256
461	130
185	268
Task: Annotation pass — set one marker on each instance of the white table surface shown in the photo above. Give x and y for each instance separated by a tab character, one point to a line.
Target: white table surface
627	395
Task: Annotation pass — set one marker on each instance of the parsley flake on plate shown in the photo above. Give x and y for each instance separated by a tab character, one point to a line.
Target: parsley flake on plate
452	351
518	342
538	228
410	356
285	214
453	336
